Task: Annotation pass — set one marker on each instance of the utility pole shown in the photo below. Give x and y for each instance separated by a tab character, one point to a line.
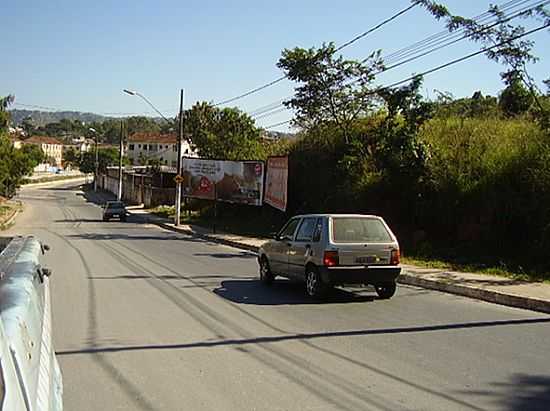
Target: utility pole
96	176
121	153
178	167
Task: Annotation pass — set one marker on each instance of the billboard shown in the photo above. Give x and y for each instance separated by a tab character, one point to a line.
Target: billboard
276	182
231	181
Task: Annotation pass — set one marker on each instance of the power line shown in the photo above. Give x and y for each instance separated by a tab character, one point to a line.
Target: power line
54	109
366	33
350	42
443	66
441	41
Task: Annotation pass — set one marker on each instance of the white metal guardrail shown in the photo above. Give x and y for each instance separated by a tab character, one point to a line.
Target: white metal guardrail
30	375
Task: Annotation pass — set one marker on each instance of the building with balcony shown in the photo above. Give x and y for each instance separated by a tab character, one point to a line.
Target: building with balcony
144	147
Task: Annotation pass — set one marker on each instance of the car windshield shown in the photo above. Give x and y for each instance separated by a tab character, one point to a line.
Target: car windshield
115	205
359	230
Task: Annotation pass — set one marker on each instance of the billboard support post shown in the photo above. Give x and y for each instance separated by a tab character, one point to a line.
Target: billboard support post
215	209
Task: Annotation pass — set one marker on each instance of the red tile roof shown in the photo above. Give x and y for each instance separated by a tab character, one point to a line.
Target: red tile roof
154	138
42	140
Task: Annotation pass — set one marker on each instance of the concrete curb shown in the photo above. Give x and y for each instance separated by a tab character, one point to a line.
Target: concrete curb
491	296
10	221
223	241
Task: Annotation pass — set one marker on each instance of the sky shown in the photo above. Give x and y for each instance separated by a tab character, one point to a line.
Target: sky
80	55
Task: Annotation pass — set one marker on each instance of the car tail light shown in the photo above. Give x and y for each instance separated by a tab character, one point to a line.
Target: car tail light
395	257
330	258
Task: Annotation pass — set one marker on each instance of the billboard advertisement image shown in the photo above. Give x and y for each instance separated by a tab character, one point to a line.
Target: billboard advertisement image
276	182
231	181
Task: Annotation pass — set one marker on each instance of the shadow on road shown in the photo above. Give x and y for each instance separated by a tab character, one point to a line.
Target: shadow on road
68	188
522	393
535	382
121	236
242	254
80	220
281	292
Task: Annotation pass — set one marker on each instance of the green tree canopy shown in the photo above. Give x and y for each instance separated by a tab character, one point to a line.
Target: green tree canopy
106	157
223	133
331	89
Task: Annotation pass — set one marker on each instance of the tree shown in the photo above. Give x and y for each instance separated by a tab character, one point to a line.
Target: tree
106	157
513	50
28	126
71	158
223	133
331	90
142	124
515	99
34	153
5	102
15	164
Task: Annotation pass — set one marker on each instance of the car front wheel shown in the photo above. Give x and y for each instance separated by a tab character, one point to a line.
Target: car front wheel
266	276
385	290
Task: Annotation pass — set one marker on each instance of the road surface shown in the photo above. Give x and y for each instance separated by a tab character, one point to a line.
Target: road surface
147	319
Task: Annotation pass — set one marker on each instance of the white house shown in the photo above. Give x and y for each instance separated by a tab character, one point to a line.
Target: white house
147	146
52	148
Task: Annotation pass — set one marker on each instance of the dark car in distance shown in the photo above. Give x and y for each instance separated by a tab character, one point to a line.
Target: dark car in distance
114	209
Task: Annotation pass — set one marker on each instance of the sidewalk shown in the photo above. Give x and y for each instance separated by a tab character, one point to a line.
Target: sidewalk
499	290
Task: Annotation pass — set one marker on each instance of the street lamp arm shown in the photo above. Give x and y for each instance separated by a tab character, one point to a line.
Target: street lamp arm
135	93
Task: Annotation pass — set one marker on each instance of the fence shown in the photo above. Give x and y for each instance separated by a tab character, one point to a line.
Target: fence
140	188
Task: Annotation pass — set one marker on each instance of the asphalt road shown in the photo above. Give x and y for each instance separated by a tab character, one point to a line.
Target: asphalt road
146	319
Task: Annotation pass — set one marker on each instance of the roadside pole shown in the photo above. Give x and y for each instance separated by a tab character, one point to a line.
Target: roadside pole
178	168
96	176
121	153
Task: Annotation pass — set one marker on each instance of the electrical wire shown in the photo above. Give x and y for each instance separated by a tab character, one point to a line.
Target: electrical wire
347	44
442	41
443	66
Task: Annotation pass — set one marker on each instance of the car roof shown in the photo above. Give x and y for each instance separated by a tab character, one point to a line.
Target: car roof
337	215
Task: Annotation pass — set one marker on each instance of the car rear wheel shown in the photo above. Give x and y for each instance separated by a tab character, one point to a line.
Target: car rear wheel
266	276
315	287
385	290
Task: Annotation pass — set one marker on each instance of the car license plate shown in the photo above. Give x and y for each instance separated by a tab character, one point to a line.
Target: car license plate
366	260
115	215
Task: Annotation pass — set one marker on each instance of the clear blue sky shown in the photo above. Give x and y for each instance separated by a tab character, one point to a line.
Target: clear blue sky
76	55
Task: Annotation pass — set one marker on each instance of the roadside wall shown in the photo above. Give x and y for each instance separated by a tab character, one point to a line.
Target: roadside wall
138	189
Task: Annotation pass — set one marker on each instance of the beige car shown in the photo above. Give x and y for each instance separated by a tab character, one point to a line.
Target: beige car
326	250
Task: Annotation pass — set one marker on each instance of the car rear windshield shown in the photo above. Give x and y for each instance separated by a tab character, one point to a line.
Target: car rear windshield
115	205
359	230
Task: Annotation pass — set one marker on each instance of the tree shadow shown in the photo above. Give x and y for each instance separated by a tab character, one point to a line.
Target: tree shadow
282	292
522	393
70	188
120	236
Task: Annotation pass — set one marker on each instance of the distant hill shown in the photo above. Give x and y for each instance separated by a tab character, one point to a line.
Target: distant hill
41	118
277	135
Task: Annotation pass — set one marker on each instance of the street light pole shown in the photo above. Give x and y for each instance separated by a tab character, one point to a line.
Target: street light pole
121	153
177	204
